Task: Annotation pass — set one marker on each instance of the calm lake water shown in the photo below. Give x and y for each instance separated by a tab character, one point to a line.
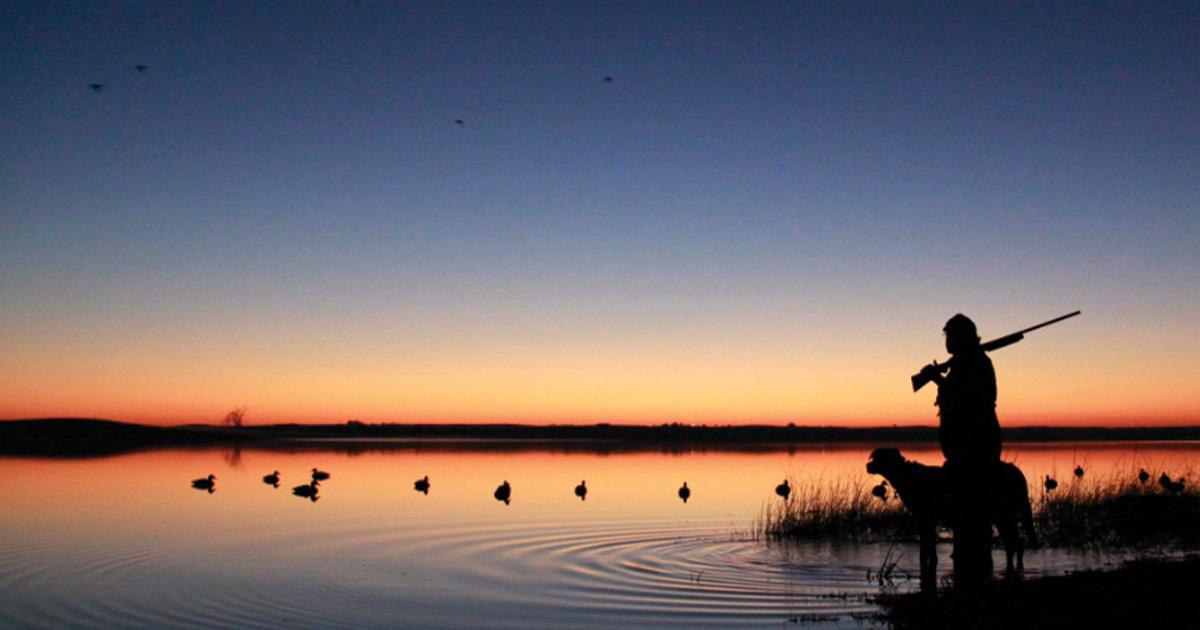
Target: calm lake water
125	541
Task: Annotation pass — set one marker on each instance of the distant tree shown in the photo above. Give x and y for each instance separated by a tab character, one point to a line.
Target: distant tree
235	417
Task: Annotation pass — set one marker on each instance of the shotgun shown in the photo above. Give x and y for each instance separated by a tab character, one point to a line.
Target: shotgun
924	376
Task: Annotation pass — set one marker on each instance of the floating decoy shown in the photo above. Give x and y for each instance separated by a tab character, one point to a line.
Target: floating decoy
504	492
319	475
308	490
684	492
1079	472
1143	476
422	485
205	483
1050	483
784	489
96	87
881	491
581	490
1171	486
272	479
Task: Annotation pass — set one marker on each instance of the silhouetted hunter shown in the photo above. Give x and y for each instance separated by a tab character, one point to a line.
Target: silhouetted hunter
969	434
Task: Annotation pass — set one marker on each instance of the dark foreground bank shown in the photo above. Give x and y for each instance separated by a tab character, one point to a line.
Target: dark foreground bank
1141	594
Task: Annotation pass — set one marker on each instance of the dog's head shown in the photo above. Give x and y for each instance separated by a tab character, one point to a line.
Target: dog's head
882	459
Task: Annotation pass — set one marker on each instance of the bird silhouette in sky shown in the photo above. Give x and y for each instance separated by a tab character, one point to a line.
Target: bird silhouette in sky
608	79
459	122
96	87
140	67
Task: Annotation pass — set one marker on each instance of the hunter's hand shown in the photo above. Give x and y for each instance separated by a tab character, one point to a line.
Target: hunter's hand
932	372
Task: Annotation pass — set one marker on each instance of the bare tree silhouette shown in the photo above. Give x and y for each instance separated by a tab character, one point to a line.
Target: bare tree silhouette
235	417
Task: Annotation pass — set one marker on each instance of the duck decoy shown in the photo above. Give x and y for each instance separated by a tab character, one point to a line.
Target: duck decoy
503	492
684	492
1143	476
205	483
1050	483
581	490
881	491
1169	485
272	479
319	475
784	489
1079	472
422	485
308	490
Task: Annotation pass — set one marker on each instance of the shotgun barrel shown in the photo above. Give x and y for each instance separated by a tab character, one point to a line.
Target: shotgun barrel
925	375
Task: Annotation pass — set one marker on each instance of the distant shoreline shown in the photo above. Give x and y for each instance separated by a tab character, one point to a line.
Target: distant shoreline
67	437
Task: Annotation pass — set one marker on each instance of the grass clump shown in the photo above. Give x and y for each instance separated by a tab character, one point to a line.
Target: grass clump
843	510
1119	511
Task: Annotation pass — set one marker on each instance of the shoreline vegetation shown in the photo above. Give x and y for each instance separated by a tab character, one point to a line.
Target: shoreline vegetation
82	437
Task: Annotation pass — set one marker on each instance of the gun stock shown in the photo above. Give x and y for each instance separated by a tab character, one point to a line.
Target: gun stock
925	375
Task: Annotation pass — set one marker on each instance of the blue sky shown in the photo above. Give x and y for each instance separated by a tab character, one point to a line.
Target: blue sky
768	213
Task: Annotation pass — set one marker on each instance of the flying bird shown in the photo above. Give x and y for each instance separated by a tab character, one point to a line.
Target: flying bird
608	79
140	67
459	122
581	490
684	492
205	483
96	87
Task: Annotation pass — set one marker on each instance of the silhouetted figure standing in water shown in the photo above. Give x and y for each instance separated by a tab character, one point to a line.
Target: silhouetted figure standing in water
969	434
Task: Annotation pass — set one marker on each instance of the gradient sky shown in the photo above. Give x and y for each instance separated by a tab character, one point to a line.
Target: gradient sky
766	216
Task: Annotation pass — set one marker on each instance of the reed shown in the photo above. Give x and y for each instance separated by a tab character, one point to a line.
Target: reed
1116	510
841	509
1102	511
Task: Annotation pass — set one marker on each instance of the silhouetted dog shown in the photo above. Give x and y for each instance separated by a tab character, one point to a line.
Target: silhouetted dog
926	493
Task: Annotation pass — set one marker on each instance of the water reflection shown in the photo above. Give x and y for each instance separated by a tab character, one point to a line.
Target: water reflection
374	554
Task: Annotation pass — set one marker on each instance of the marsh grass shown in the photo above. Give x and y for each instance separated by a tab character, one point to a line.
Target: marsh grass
1116	510
841	510
1101	511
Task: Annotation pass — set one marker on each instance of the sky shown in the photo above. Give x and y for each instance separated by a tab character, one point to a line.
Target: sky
577	212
